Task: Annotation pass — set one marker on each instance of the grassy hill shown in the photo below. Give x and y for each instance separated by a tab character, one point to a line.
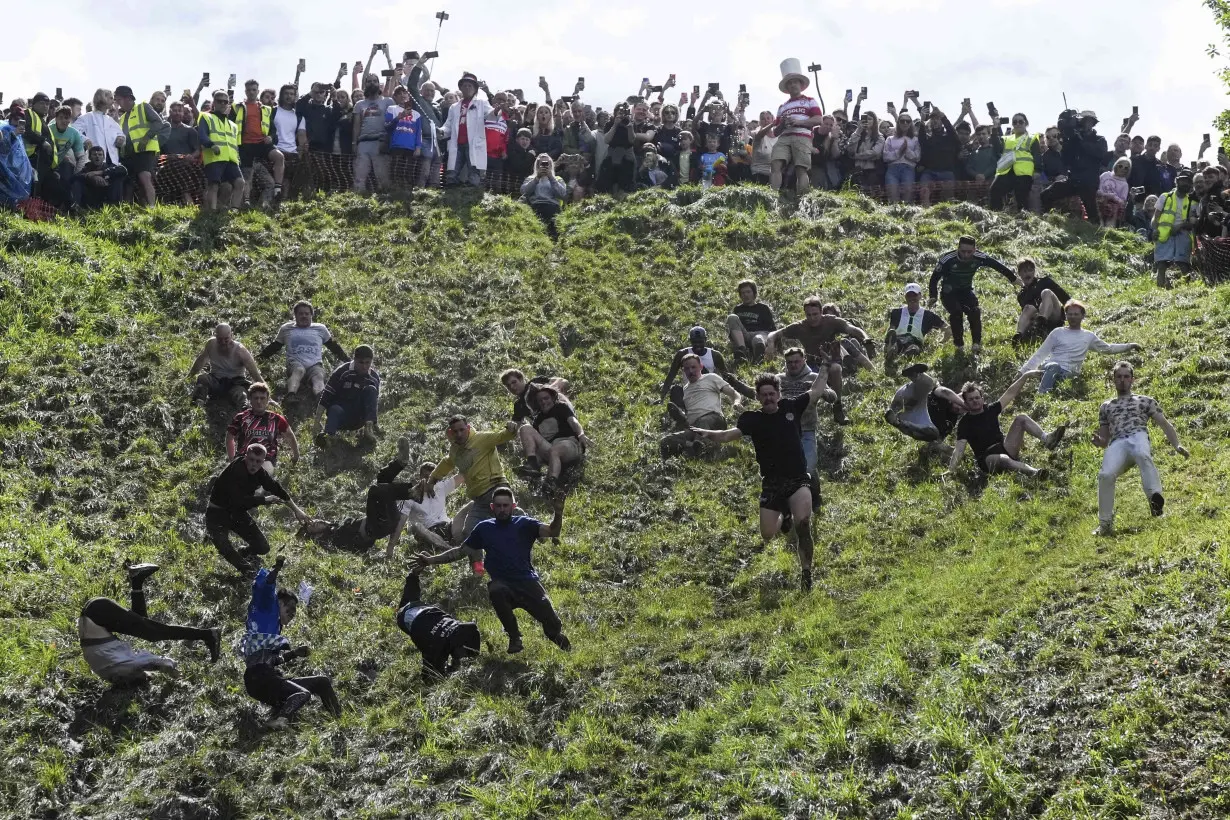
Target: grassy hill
970	650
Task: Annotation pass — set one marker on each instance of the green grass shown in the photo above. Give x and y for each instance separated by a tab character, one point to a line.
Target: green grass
970	650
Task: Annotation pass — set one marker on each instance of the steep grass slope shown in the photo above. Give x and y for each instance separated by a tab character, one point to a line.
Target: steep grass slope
969	650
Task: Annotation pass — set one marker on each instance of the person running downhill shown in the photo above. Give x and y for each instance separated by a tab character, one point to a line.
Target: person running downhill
507	541
116	661
265	648
785	487
955	270
260	425
475	457
979	428
1123	430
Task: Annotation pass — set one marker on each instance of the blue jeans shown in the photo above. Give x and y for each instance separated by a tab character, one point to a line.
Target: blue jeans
809	450
899	173
353	413
1051	373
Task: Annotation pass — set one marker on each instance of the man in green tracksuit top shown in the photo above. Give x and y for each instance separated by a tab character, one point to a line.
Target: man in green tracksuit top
956	270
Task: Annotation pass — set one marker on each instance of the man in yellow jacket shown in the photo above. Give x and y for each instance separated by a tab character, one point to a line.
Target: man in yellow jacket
475	457
1172	228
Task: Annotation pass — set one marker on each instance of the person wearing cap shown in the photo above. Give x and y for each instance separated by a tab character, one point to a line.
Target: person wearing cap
909	324
220	153
1084	151
1172	228
796	118
504	543
711	362
142	126
955	270
924	409
40	147
465	128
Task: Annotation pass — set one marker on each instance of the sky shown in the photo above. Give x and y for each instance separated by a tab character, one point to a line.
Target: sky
1023	55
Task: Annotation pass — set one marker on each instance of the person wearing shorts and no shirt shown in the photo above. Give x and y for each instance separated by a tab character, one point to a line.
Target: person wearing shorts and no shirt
979	428
228	360
793	127
925	410
305	341
785	488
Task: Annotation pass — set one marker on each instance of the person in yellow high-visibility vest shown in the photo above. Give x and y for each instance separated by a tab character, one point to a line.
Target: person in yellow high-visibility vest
1016	176
40	147
1172	226
220	153
142	126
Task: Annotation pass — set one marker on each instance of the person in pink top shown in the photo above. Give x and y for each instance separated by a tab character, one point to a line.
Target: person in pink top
1113	192
796	118
901	153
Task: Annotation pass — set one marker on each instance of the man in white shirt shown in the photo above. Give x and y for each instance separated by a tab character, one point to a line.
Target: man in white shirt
427	512
1123	430
466	131
289	129
305	341
1063	352
702	403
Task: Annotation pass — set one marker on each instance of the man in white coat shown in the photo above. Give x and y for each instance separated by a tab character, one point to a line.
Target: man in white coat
466	131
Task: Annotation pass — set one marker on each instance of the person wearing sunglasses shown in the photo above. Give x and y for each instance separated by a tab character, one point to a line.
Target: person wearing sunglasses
1015	172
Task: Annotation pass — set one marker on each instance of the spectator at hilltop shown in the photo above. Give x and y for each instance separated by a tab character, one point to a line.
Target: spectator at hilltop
465	129
940	147
901	154
865	150
1083	152
793	127
99	182
369	138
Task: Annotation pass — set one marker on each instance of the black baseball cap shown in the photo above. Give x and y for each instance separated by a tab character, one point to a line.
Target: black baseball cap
124	91
39	97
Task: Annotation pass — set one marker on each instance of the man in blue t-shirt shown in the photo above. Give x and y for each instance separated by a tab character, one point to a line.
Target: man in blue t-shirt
507	540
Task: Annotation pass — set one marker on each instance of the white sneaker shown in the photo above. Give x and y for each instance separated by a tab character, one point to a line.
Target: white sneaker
1104	530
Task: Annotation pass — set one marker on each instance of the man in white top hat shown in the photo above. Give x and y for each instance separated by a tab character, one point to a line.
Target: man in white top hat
793	127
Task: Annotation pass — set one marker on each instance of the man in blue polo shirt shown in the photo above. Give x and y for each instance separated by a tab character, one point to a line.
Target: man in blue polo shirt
508	540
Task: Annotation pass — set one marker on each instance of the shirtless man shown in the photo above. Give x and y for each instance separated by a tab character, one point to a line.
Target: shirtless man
815	334
228	359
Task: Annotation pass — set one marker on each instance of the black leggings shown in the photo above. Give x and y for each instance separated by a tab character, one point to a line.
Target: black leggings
1059	191
547	211
220	523
961	303
1018	185
266	684
114	618
507	596
382	498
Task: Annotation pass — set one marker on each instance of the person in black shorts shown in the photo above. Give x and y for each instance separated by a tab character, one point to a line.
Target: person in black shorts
749	324
1041	300
442	639
925	410
785	486
979	429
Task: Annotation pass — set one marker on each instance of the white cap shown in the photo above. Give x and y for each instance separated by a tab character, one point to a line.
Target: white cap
914	287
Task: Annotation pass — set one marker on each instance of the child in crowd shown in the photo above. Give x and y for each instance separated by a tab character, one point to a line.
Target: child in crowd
651	174
712	163
519	163
685	164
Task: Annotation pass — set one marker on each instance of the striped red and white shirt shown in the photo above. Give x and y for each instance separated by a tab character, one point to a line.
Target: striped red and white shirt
803	108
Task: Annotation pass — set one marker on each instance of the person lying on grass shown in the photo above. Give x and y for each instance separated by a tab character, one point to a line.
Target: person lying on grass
979	428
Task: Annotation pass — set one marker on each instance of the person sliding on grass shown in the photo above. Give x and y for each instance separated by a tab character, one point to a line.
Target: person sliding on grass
507	541
259	425
909	324
557	436
1123	430
475	457
1041	300
925	410
701	395
956	270
265	648
232	496
979	428
305	341
114	660
1063	353
785	487
817	333
711	361
227	360
525	408
749	324
442	639
384	514
352	396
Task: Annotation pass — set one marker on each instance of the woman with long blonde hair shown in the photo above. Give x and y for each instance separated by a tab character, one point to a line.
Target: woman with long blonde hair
545	192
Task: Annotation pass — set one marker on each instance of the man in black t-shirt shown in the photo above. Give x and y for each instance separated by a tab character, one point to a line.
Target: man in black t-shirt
525	407
232	495
979	428
785	486
749	324
1041	300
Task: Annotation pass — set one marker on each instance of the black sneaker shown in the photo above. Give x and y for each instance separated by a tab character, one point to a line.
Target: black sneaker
561	640
214	644
806	581
757	351
515	645
839	414
1056	436
137	573
281	715
1156	504
740	356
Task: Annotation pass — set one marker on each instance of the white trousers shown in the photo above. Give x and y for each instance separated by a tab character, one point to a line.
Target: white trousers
1120	455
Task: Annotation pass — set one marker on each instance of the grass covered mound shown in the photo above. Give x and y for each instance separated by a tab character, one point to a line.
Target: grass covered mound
969	650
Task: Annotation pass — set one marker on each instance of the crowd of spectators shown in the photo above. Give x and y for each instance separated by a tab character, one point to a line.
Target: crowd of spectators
376	135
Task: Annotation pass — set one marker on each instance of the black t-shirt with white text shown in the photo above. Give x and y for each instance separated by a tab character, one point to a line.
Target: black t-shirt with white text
778	437
756	317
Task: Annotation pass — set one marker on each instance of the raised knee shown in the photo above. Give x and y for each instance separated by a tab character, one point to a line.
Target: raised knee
1020	419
